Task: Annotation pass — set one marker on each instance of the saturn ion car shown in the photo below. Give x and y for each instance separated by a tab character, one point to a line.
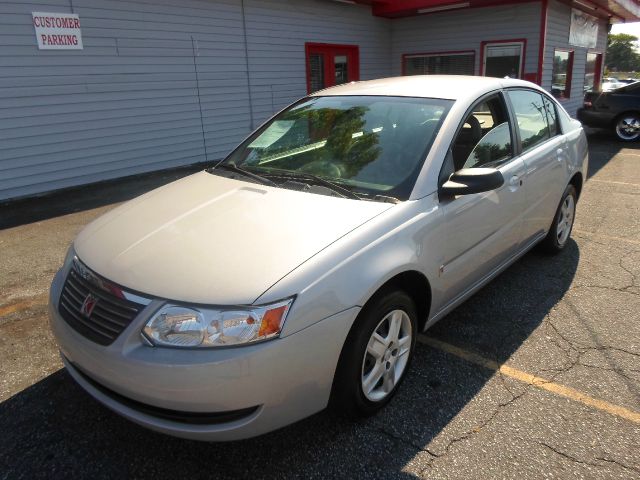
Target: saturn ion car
296	273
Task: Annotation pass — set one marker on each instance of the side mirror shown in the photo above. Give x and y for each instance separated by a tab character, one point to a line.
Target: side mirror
471	180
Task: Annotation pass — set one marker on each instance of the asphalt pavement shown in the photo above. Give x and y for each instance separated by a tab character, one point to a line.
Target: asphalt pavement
536	376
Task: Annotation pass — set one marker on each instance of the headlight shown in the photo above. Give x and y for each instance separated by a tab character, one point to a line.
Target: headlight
191	327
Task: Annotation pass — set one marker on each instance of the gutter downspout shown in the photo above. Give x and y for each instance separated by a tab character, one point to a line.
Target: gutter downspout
544	6
246	58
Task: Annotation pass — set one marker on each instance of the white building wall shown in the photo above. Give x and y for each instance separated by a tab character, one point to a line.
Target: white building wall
465	30
277	31
558	25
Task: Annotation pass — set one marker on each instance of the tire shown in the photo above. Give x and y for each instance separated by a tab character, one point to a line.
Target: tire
358	366
627	127
560	230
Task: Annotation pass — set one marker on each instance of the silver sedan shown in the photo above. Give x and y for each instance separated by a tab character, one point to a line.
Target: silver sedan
296	273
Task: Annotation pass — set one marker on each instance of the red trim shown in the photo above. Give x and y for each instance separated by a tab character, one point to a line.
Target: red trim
567	85
435	54
407	8
544	9
597	72
351	51
512	40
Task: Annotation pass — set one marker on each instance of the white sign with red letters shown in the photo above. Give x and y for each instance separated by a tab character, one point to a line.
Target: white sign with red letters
57	31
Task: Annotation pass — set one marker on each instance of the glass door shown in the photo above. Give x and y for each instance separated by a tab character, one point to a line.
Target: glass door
503	59
329	65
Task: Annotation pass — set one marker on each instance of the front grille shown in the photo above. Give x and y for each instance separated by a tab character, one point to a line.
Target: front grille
107	316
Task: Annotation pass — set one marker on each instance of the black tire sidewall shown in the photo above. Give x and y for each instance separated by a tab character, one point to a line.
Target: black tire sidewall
347	395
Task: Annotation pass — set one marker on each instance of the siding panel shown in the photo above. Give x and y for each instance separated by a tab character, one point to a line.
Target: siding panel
130	102
127	103
465	30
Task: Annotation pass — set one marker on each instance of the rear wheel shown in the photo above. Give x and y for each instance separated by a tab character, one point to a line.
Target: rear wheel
560	230
376	355
627	127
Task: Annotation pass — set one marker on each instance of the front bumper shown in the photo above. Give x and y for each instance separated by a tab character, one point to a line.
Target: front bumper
273	384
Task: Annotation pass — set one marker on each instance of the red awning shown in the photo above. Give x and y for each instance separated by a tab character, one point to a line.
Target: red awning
617	10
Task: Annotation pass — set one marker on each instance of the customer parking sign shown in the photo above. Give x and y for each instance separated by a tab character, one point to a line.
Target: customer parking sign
57	31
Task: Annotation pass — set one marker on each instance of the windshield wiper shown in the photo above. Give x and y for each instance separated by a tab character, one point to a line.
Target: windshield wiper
234	168
380	198
339	189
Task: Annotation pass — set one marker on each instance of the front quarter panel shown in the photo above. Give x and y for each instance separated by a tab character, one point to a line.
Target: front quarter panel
350	271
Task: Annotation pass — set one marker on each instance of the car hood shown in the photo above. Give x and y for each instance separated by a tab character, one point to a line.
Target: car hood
214	240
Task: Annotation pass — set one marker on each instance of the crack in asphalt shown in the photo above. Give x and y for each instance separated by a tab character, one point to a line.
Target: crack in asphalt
584	462
476	430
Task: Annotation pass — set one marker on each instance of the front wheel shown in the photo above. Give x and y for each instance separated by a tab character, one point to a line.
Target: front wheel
560	230
627	127
376	355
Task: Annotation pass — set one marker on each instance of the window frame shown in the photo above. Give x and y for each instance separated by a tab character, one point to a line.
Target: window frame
352	52
597	72
450	53
569	80
487	43
559	131
514	119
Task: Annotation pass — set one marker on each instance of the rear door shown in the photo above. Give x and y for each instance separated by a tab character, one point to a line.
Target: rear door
544	153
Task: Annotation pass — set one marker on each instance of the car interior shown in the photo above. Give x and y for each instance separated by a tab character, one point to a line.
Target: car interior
485	138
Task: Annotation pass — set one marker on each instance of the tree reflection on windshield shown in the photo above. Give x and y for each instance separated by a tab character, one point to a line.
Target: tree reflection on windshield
369	144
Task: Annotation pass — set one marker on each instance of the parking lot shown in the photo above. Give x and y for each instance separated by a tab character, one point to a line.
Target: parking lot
536	376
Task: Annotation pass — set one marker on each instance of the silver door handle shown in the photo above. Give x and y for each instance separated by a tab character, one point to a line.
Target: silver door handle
515	181
560	154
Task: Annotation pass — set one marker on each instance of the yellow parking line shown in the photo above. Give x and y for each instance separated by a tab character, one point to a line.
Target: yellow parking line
22	305
619	239
533	380
14	307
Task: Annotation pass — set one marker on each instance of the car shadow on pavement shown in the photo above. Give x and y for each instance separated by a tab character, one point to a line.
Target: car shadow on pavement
53	429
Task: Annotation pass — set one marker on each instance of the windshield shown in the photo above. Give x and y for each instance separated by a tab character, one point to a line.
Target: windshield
370	145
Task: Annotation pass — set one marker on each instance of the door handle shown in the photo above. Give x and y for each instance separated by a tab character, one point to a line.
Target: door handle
560	154
515	181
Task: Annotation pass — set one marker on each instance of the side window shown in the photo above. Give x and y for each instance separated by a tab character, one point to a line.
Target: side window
531	116
493	149
552	117
485	137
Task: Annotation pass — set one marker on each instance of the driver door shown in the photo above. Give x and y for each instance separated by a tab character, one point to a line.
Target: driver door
483	230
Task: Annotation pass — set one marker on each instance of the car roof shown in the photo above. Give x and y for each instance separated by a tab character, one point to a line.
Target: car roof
452	87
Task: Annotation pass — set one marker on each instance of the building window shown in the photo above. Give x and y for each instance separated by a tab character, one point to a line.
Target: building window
503	58
561	74
593	72
329	65
442	63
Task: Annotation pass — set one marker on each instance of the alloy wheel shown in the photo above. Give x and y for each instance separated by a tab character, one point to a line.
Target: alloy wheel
387	355
628	127
565	219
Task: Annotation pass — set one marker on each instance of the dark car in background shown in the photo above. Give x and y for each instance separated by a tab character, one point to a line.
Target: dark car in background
618	110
